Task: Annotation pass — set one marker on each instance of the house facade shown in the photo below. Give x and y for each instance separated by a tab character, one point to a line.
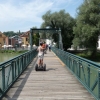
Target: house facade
25	38
3	40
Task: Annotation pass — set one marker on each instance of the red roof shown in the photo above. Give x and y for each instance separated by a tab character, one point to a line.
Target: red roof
26	34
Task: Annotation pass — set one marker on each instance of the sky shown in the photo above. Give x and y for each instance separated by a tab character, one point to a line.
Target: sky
22	15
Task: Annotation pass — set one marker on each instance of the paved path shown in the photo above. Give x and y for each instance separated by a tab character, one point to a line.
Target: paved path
57	83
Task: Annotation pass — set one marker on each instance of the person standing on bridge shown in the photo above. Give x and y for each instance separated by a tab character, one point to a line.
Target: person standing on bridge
49	47
40	54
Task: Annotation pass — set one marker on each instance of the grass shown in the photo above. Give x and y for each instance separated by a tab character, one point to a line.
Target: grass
12	51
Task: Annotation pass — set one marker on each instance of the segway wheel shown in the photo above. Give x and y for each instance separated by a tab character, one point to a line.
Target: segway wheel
36	67
44	67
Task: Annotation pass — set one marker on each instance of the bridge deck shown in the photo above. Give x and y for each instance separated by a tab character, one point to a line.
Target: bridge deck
57	83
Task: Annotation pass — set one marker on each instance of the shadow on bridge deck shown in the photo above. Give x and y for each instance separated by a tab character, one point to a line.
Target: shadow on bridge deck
57	83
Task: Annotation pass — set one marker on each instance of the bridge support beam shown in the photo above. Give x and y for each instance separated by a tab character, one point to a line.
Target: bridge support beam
99	84
59	33
31	31
60	40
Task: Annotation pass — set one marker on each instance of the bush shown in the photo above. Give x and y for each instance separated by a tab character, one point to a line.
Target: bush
87	55
12	51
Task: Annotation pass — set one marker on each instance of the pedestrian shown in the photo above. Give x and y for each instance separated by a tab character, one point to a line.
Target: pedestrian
49	47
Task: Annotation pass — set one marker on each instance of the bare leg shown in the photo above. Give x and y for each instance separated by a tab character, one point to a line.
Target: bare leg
39	62
42	62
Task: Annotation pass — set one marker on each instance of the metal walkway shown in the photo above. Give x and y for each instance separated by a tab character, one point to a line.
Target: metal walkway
57	83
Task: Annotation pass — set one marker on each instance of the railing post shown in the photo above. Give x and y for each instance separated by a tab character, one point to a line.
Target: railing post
99	84
88	76
12	65
18	66
3	78
79	74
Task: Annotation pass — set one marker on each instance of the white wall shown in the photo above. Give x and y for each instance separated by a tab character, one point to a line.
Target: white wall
48	41
98	46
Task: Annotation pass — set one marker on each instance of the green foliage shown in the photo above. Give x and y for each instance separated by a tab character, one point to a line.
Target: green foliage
88	56
11	33
60	20
42	35
13	51
87	27
36	38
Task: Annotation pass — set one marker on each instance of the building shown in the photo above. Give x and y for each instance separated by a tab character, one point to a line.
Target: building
3	40
25	38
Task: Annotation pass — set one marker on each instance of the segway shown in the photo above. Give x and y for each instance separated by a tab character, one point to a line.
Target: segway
40	68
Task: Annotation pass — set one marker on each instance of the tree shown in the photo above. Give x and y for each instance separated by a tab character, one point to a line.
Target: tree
42	35
12	33
60	20
9	33
87	27
35	37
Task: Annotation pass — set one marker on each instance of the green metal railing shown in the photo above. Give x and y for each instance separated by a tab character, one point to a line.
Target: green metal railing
86	71
12	69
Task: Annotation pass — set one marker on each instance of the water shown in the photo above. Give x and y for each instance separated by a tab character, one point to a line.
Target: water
7	56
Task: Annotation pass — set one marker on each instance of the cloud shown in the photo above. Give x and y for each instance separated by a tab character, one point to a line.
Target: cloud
24	10
21	14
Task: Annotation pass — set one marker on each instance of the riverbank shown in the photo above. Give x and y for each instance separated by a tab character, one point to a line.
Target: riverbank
82	53
6	55
13	51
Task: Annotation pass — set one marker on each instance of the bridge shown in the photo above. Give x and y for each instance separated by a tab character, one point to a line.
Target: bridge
67	77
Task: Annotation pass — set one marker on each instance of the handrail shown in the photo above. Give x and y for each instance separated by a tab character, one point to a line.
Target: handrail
12	69
86	71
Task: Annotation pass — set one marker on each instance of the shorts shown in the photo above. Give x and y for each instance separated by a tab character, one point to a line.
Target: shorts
40	56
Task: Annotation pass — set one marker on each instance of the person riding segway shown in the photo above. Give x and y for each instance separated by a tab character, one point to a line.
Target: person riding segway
40	65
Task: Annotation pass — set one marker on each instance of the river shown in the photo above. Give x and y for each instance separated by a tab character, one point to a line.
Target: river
7	56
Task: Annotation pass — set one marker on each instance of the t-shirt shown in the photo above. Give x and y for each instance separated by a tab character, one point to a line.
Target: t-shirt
40	50
49	45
